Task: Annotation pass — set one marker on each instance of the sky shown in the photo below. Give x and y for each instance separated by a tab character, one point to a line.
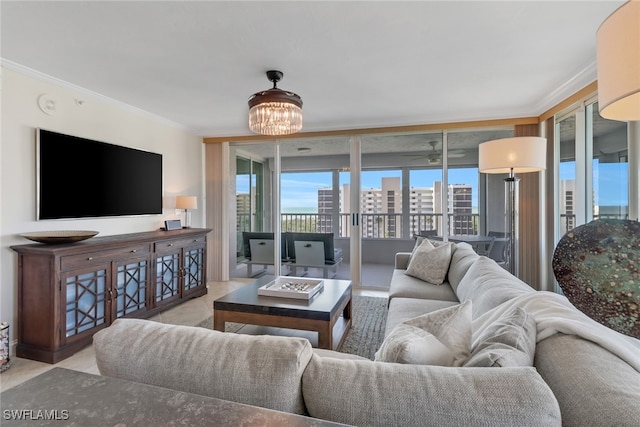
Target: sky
610	181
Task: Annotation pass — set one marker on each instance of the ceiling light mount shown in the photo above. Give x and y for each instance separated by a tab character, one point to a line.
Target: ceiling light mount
274	76
275	111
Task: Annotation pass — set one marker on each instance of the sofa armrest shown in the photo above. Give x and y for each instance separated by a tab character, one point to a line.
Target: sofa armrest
402	260
390	394
262	371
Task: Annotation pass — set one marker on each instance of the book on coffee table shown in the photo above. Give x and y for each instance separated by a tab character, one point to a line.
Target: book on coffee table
292	287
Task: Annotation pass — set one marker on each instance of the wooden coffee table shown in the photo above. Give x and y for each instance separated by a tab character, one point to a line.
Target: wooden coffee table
321	314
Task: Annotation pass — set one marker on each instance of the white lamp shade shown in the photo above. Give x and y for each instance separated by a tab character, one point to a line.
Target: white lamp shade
186	202
619	64
520	154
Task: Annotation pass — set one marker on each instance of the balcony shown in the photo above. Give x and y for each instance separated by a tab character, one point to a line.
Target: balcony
373	226
382	236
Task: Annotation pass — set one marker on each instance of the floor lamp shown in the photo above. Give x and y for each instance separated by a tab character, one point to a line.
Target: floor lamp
512	155
619	64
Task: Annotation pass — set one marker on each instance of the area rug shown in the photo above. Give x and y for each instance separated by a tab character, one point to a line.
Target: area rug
369	315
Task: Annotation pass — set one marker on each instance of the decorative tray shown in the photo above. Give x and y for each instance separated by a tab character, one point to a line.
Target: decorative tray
59	236
292	287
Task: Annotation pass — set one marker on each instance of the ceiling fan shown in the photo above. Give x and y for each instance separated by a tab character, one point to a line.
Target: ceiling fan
434	157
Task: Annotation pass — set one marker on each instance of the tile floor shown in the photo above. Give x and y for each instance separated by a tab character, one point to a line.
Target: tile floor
189	313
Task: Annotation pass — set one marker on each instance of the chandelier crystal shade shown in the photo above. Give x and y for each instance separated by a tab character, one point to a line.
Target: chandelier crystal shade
275	111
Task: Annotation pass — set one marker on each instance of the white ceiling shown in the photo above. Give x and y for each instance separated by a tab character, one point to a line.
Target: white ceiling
355	64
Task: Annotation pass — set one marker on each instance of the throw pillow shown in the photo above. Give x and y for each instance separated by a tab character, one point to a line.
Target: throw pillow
442	337
430	263
421	239
508	342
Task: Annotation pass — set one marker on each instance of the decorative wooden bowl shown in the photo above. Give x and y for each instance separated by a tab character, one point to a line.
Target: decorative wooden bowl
59	236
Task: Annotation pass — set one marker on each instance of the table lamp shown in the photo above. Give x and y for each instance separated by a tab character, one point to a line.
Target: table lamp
187	203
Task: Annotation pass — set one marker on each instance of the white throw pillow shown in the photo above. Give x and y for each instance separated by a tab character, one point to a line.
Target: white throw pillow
430	263
420	240
442	337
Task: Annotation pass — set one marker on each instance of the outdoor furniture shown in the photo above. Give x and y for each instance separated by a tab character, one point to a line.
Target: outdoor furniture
427	233
482	245
498	251
305	250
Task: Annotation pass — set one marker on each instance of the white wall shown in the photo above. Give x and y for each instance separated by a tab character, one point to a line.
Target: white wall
97	118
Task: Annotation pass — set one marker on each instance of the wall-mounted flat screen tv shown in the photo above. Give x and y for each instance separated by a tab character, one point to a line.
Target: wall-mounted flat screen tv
82	178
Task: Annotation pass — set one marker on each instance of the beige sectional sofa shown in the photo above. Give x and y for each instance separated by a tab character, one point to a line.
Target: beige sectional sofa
572	382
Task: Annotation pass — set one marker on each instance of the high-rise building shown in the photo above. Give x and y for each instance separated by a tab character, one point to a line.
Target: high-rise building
567	205
243	212
325	210
381	209
461	220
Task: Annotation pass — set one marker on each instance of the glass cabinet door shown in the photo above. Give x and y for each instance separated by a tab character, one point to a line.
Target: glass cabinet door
86	301
167	277
193	268
131	287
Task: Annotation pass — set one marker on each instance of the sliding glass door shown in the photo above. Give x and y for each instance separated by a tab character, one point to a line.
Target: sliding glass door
593	168
372	193
253	219
610	166
311	203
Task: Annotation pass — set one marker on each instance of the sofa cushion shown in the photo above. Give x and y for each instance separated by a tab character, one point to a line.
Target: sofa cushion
430	263
593	386
404	286
508	342
336	354
461	259
367	393
489	285
258	370
401	309
442	337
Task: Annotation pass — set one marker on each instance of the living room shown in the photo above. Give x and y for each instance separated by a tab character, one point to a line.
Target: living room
198	136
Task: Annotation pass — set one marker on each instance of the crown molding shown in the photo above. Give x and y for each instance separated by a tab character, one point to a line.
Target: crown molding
30	72
579	81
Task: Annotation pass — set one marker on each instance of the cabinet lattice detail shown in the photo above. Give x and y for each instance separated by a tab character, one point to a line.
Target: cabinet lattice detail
132	286
86	303
193	266
167	283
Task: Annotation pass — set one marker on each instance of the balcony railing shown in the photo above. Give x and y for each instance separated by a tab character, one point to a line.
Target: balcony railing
374	226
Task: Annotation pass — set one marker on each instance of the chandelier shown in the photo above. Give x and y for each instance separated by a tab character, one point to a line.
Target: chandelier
275	111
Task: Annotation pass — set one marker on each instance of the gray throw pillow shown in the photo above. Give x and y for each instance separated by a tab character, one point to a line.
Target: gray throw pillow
508	342
442	337
430	263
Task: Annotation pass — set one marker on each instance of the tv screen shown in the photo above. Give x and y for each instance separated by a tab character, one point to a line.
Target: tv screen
81	178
